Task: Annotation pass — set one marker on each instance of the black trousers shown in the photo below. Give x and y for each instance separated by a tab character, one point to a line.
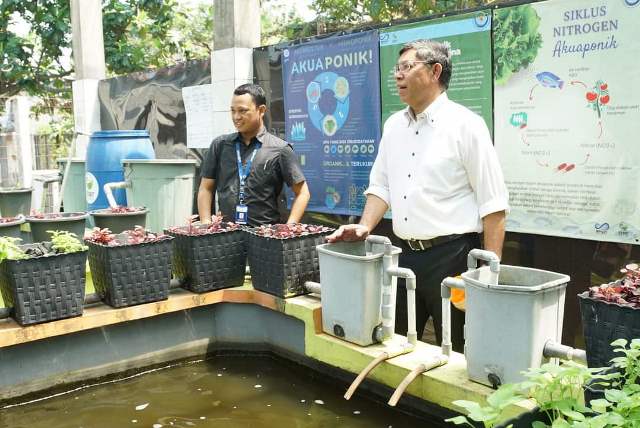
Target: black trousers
431	266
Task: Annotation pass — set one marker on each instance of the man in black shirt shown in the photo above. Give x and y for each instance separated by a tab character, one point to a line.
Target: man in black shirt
247	169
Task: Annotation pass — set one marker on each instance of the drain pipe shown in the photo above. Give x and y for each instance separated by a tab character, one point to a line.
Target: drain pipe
109	192
445	291
437	361
313	287
558	350
388	309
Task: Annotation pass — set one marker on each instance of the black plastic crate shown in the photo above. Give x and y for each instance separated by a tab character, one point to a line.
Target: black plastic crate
282	266
45	288
211	261
603	323
128	275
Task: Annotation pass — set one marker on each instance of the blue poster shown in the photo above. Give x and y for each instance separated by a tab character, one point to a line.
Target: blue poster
332	117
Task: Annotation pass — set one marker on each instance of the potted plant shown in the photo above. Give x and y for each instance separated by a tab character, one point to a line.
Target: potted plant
10	226
208	257
609	312
15	201
41	224
120	218
43	281
130	268
282	257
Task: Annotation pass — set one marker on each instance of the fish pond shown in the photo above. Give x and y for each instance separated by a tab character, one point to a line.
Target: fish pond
222	391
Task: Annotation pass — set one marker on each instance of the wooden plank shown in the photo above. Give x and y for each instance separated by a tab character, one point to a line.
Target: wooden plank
98	316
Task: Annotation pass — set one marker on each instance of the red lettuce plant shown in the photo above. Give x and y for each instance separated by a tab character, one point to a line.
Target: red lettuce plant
289	230
196	229
4	220
139	235
123	209
625	291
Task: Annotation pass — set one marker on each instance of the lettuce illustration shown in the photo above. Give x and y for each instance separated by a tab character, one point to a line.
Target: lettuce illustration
515	40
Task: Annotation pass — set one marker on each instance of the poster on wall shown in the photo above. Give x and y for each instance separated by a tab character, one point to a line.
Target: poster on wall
332	117
567	117
469	37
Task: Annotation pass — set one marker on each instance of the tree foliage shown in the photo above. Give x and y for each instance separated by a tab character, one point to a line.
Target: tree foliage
138	34
342	14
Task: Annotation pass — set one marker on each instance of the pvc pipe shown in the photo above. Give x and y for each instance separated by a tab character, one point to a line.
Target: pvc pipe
115	185
437	361
558	350
410	281
388	305
445	291
489	256
313	287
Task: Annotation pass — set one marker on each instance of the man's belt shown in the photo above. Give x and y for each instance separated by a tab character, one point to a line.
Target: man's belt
424	244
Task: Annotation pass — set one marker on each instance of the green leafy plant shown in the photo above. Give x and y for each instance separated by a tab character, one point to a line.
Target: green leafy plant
65	242
9	249
557	390
515	40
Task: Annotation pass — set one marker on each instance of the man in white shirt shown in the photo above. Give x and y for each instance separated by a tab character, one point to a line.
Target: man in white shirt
437	170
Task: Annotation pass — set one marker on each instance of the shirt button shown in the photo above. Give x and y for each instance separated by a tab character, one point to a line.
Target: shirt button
417	132
405	219
409	175
405	196
413	154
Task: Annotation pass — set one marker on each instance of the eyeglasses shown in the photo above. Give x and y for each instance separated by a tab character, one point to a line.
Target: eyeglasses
405	66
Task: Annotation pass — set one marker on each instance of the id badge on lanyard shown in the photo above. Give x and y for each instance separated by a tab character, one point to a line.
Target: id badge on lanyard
242	210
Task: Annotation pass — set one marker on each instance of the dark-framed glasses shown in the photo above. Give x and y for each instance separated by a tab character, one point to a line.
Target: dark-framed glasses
405	66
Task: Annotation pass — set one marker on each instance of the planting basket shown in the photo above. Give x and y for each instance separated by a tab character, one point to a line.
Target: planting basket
44	288
131	274
282	266
119	222
71	222
603	323
12	228
209	262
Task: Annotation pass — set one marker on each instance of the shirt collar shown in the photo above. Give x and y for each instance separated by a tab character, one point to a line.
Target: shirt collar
260	137
430	114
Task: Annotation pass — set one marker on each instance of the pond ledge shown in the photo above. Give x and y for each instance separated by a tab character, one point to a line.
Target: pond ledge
440	386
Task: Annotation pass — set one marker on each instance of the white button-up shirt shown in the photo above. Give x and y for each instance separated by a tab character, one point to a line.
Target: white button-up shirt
438	171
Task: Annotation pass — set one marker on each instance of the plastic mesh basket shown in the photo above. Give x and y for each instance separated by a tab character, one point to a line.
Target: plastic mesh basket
211	261
603	323
131	274
282	266
44	288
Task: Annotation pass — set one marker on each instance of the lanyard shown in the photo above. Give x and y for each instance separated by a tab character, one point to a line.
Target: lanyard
243	171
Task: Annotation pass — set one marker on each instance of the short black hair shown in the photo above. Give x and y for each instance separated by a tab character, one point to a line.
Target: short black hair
258	95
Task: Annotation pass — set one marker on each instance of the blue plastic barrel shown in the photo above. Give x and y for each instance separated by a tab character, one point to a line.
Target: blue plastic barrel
105	152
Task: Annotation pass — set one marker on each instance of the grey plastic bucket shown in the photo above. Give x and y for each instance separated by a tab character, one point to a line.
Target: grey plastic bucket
508	324
16	201
164	186
352	289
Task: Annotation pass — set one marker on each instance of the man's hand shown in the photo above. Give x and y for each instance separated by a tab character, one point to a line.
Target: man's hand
349	233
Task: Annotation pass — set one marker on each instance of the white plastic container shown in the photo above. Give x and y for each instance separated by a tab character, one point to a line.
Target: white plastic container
351	283
507	325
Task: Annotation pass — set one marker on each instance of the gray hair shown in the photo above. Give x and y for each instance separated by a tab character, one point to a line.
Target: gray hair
432	51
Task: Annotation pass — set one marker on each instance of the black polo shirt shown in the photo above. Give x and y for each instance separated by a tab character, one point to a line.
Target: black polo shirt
274	164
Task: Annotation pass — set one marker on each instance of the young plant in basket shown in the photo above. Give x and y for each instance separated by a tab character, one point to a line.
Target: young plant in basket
131	267
282	257
609	312
43	281
209	256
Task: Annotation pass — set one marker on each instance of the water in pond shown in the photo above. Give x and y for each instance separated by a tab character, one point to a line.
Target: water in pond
220	392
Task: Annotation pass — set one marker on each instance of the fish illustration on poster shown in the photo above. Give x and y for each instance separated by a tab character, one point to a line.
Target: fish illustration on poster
332	117
567	114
